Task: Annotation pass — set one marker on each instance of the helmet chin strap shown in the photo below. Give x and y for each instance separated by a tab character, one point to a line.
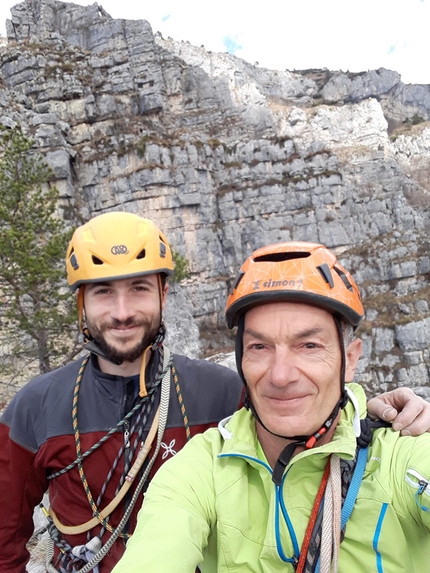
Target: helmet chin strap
308	441
92	346
158	341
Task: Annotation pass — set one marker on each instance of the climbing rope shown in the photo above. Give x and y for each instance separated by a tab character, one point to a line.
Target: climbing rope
93	505
137	429
164	407
330	534
106	436
307	552
127	464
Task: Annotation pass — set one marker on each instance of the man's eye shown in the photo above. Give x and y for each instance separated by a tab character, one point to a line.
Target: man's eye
257	346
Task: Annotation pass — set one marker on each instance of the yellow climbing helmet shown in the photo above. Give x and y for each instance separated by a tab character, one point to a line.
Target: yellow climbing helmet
114	246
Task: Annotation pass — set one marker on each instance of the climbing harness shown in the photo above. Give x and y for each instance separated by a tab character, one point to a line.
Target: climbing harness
93	551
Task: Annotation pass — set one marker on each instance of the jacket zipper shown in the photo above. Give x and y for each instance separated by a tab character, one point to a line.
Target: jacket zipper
417	481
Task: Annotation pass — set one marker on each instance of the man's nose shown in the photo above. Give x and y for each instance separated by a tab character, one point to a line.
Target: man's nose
284	367
122	309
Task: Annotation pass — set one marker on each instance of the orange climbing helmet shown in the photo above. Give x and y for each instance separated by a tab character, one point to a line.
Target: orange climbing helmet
116	245
296	272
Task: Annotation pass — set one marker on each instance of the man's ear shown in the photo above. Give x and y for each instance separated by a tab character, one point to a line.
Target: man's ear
164	295
353	353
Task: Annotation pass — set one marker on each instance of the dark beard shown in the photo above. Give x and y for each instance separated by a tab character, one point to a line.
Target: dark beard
117	356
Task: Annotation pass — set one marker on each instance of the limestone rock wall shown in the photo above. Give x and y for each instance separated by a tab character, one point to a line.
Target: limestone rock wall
227	157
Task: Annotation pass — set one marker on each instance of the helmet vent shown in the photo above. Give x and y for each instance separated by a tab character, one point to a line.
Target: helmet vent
239	277
324	270
74	261
96	260
163	249
279	257
344	279
142	254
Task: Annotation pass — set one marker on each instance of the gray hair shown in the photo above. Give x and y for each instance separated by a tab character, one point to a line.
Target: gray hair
348	333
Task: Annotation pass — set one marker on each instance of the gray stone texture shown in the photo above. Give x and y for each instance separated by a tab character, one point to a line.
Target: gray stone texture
226	157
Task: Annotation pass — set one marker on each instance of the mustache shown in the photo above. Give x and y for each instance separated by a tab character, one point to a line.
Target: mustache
115	323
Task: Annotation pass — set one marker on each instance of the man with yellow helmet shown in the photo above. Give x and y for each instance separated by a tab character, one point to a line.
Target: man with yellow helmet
94	432
126	251
299	480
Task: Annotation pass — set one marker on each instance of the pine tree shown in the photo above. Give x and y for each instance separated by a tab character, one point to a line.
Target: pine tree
182	270
37	311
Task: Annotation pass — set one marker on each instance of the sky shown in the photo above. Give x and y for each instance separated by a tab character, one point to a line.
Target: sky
347	35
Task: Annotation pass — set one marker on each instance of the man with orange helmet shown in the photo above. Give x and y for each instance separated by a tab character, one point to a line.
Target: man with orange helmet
300	479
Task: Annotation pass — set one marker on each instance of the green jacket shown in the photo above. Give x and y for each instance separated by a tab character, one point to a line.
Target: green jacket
215	504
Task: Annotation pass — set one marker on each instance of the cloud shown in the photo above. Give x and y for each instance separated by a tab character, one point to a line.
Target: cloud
165	18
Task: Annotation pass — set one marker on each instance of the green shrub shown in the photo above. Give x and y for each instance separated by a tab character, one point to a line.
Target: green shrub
181	271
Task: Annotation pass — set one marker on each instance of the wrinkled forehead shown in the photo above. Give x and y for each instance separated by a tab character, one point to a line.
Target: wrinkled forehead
289	319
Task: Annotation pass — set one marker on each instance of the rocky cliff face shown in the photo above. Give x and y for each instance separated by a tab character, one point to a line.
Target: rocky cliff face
227	157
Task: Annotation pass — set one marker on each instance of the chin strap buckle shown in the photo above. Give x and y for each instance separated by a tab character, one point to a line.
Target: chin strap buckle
313	439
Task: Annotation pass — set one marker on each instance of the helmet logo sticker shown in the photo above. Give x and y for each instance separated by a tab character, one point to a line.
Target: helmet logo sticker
294	283
119	250
294	271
